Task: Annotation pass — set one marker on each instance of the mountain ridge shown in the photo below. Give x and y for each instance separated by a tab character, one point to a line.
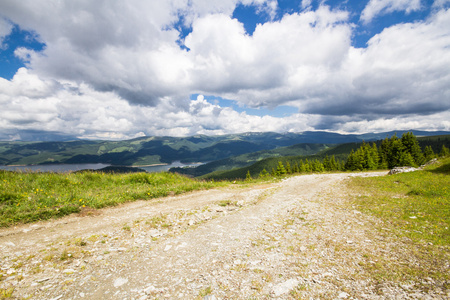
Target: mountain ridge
166	149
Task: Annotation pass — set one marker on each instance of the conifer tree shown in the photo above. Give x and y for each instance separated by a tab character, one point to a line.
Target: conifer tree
263	173
350	163
302	167
307	166
395	152
248	176
327	163
375	156
428	153
333	164
295	168
411	145
384	153
444	151
317	166
280	169
406	159
288	168
340	165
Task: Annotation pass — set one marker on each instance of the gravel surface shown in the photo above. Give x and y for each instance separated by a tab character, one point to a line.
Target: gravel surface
296	239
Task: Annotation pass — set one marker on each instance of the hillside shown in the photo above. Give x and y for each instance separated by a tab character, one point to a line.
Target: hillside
247	159
156	150
340	152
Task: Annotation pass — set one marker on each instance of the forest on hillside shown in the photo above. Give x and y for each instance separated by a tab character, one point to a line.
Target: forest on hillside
386	154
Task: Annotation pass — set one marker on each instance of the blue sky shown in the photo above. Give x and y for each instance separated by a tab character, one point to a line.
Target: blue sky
121	69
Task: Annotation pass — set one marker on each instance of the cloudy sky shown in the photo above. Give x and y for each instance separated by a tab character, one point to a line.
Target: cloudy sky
117	69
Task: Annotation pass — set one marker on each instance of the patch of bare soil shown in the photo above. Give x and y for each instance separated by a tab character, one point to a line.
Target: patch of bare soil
297	239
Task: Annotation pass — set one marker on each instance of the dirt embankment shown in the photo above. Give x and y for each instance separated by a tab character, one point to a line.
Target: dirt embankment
295	239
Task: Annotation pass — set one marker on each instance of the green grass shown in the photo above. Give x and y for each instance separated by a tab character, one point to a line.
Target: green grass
30	197
414	210
416	204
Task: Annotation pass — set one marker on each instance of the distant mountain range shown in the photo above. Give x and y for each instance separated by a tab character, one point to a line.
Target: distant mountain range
198	148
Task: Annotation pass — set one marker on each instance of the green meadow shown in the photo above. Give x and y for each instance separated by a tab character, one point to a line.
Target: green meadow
415	204
28	197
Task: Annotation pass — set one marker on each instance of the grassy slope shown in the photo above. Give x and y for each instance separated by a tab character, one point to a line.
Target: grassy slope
29	197
417	204
416	208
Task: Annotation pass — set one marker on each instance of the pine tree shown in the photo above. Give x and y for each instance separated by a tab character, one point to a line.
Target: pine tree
395	152
280	169
249	176
411	145
444	151
360	158
307	166
295	168
327	163
302	168
273	173
288	168
406	159
350	163
374	158
317	166
428	153
341	165
384	153
263	173
333	164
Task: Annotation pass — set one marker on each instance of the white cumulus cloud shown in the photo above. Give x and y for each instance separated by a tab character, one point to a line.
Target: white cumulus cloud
5	29
116	69
382	7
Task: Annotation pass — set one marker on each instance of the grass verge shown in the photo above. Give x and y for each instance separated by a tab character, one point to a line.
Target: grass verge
415	207
30	197
416	204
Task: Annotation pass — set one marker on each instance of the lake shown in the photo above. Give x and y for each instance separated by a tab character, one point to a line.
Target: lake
61	168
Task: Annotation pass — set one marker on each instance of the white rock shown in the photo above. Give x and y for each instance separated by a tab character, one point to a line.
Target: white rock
69	271
343	295
149	289
285	287
154	233
120	281
168	247
182	245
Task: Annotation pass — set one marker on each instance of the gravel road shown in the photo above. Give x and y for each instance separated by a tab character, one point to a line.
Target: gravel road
295	239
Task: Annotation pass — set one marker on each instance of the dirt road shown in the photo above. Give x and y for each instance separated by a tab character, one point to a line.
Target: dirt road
296	239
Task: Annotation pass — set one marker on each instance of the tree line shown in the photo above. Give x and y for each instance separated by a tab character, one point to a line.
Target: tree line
392	152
